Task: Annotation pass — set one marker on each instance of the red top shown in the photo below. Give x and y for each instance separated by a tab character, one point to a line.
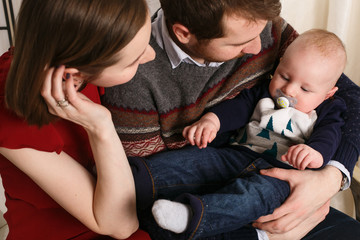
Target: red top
32	214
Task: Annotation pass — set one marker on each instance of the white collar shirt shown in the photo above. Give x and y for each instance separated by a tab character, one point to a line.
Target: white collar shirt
175	53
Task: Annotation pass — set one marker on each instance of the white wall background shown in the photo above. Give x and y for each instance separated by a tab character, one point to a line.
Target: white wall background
4	39
339	16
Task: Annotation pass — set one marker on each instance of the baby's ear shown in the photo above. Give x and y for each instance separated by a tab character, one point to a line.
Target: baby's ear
331	92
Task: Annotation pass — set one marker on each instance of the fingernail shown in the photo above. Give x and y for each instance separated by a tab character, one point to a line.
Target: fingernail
67	75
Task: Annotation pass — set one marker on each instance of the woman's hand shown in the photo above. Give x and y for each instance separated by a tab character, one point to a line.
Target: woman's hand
310	191
111	200
65	101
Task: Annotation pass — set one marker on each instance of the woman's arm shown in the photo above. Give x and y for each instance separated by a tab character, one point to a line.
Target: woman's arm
106	205
74	188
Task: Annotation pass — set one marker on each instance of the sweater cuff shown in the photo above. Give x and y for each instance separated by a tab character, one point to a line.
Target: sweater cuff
347	155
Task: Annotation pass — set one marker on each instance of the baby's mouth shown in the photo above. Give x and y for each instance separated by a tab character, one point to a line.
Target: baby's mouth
283	101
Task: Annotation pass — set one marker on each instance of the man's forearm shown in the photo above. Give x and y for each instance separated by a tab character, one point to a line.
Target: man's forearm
334	177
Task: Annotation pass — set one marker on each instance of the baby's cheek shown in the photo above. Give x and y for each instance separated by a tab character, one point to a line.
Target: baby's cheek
305	107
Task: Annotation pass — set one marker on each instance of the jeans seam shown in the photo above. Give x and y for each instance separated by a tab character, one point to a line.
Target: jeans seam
195	184
197	226
151	177
246	170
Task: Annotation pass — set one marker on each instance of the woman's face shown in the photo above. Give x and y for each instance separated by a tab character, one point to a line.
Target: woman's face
138	51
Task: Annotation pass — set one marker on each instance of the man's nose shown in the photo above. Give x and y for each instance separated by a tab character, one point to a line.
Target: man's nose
253	47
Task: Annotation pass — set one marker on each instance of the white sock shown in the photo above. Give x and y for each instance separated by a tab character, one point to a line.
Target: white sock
261	234
173	216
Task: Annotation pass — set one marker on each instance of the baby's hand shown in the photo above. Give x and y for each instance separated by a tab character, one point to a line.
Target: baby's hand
302	156
203	131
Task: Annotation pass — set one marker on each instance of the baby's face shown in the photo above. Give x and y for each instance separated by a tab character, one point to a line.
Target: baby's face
304	77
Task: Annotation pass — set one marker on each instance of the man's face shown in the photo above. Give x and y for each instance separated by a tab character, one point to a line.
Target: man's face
241	37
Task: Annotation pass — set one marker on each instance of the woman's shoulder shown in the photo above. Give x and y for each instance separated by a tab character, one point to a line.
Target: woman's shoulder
15	132
5	59
5	62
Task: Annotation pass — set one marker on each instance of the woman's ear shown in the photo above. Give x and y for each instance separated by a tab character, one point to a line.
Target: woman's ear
331	92
77	76
182	33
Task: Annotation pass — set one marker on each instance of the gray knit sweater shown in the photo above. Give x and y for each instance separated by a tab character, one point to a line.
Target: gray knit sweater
150	111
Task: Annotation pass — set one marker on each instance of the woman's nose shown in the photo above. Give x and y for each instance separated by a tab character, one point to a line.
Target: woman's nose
148	56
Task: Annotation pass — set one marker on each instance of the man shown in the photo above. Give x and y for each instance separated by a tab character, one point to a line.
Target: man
208	51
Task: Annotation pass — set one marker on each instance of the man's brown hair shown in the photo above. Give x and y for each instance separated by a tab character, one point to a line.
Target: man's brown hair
204	18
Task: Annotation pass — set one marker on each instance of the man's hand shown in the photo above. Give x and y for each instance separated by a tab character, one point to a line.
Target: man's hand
304	227
309	192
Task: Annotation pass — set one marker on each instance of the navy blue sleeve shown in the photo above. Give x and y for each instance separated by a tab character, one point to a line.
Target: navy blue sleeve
349	148
235	113
326	135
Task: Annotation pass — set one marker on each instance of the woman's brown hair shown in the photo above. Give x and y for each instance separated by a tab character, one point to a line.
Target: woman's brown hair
82	34
204	18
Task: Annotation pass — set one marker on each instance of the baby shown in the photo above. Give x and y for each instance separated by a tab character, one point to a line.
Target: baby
294	118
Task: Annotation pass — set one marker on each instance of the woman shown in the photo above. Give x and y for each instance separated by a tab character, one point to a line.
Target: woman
48	163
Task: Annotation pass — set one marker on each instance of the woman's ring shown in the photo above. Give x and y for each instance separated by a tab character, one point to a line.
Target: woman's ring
63	103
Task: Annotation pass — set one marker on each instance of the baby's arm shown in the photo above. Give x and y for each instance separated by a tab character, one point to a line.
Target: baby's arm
203	131
302	156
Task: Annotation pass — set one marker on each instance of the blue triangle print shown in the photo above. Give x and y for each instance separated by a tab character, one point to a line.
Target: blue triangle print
288	127
244	137
232	140
264	134
272	152
270	124
282	133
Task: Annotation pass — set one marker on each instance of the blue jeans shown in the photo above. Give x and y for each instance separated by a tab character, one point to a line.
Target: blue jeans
336	226
222	185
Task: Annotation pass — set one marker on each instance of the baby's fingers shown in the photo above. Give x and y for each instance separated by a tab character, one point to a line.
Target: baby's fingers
185	132
189	134
205	138
198	136
305	162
